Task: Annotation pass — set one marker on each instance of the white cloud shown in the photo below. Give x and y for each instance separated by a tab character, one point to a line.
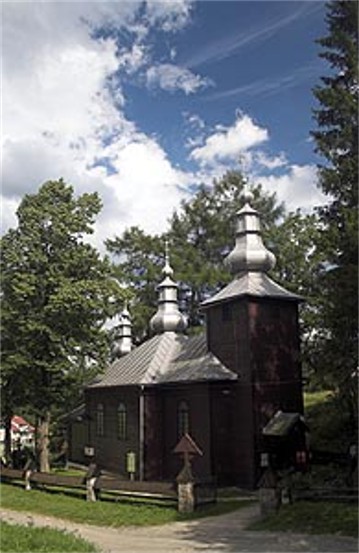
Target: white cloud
194	120
296	188
172	78
134	58
60	119
171	15
229	142
146	185
271	162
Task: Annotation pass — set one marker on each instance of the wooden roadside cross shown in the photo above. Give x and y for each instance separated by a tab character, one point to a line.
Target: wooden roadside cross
185	479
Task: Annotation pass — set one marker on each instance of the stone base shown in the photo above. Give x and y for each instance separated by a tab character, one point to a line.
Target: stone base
270	500
186	499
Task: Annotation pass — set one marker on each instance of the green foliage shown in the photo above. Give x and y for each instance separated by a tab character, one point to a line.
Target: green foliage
313	518
122	512
200	234
337	116
299	263
337	141
139	268
56	293
329	430
314	399
203	231
329	425
22	539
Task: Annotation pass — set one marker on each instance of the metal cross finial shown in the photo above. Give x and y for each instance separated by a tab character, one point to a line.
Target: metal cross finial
167	269
125	311
167	255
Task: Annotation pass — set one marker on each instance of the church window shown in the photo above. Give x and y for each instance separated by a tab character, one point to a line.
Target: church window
183	419
100	423
122	421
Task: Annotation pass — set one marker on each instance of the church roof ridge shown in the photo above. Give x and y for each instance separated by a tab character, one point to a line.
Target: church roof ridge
167	357
166	348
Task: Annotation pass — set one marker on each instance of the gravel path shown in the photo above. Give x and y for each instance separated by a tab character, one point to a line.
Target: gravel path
221	534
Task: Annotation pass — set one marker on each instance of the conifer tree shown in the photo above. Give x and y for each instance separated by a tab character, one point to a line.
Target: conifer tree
336	139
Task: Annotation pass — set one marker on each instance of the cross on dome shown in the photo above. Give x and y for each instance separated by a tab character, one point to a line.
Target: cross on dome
168	317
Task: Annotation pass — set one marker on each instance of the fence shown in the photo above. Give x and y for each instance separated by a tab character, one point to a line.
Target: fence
96	485
341	495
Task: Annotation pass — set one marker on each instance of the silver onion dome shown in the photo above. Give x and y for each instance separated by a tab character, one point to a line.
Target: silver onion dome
123	334
249	253
168	317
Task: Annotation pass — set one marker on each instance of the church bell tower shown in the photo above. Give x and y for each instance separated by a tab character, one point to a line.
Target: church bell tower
252	327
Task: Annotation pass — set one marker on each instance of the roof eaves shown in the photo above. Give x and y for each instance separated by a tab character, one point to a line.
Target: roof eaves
251	285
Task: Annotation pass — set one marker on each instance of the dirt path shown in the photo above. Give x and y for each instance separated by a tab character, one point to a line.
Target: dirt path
221	534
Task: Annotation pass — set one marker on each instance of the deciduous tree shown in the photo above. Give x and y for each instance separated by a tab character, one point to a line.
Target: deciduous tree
55	298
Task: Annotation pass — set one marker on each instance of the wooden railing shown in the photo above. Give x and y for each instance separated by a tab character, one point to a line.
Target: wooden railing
95	485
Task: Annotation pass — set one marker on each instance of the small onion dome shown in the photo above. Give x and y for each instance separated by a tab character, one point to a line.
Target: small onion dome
249	253
123	335
168	317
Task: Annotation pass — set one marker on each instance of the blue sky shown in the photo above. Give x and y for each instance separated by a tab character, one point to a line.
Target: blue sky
143	101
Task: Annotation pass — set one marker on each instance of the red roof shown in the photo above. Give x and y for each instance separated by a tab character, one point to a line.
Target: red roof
17	421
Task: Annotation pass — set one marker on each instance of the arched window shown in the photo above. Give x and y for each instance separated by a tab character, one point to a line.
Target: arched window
122	421
182	419
100	424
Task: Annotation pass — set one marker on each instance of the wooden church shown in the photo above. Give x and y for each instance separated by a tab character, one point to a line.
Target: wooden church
222	387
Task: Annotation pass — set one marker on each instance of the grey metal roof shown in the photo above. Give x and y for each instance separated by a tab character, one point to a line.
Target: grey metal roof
193	362
251	284
165	358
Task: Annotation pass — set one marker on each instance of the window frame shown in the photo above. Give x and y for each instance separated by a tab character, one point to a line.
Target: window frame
100	419
121	421
183	418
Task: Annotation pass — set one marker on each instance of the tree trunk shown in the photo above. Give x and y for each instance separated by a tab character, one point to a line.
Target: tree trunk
7	445
42	442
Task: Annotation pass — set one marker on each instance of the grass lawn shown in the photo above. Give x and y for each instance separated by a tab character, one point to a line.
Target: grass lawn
329	426
22	539
313	518
68	472
125	512
312	399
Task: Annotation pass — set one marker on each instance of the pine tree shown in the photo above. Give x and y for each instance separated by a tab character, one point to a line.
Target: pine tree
336	140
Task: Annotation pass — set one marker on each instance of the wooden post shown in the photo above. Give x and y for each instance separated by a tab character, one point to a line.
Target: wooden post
27	479
29	468
185	480
90	489
185	487
91	476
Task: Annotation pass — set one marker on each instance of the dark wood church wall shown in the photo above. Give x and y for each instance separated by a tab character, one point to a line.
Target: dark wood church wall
153	434
197	397
228	335
110	450
258	340
228	339
275	360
